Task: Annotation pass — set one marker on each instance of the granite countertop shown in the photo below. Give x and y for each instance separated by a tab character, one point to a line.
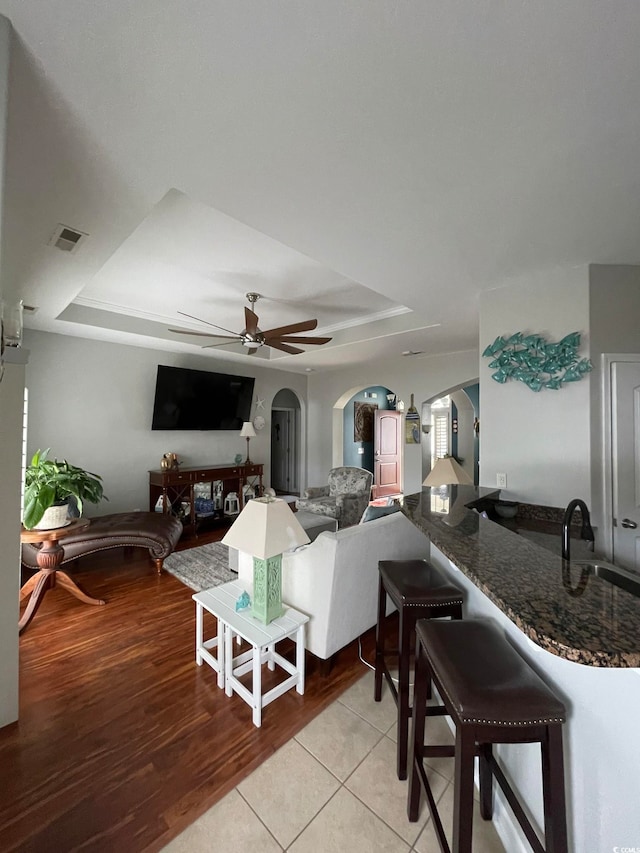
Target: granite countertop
588	621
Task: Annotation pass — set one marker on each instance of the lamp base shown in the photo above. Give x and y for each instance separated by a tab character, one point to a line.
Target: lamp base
267	589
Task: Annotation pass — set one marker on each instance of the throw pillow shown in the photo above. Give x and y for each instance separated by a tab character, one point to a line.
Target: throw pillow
373	512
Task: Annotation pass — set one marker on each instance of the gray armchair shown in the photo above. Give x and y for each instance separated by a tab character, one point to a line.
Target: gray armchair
345	497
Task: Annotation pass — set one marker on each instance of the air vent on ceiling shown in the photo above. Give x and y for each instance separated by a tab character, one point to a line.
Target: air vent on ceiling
67	239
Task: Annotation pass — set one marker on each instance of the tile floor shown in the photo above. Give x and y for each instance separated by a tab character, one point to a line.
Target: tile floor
332	788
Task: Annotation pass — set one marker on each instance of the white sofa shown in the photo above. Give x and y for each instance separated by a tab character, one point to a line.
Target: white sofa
335	579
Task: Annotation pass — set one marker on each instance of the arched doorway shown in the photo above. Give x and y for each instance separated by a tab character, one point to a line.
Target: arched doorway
286	429
353	446
451	423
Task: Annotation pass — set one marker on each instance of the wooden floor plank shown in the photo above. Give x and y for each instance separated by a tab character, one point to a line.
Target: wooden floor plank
122	740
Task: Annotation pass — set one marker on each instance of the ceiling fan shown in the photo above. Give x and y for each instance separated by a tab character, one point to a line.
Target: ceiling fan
253	338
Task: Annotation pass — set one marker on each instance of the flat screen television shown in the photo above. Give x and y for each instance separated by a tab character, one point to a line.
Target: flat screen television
200	399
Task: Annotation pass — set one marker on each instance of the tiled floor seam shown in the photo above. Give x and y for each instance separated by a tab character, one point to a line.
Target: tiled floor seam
368	808
351	772
343	784
259	818
382	820
373	725
318	813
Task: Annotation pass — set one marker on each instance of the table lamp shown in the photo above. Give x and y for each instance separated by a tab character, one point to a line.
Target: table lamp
448	474
265	528
247	432
447	471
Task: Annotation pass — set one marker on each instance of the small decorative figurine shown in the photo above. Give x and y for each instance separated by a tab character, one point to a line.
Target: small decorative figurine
169	462
243	602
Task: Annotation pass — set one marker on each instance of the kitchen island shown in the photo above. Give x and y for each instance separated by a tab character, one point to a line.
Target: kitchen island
582	635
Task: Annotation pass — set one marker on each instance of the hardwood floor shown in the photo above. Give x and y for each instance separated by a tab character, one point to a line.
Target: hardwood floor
122	740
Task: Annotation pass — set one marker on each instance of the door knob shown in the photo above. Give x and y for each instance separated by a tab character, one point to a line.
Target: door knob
626	522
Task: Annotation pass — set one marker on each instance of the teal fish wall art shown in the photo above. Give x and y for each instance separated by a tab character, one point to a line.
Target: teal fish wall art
537	362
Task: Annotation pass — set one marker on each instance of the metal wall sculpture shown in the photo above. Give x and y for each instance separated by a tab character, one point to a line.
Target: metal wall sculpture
536	362
363	421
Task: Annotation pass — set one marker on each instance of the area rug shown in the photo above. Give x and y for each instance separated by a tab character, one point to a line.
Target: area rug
202	567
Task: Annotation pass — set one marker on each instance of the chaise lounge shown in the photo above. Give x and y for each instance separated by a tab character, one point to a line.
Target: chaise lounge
159	532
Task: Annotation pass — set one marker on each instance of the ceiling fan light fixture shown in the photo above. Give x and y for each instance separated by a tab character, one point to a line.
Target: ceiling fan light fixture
252	337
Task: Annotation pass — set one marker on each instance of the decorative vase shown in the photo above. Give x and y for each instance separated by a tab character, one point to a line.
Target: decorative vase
55	516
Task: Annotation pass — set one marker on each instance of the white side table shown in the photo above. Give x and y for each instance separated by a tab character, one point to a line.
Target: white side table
220	601
211	650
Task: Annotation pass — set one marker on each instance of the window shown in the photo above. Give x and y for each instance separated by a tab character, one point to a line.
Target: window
441	431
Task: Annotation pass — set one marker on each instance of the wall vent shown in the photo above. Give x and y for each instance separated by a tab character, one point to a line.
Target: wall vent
67	239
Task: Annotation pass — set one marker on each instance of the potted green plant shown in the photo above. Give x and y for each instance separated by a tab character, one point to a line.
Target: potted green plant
52	484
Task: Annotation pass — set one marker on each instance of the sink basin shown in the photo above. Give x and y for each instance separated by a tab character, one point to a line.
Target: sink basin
607	572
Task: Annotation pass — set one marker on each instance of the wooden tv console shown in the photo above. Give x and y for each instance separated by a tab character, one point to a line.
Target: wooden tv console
178	487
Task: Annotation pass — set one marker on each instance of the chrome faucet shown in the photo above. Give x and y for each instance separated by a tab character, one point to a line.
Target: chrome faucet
587	530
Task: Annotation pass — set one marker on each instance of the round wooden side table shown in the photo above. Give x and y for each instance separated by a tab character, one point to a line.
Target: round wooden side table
49	558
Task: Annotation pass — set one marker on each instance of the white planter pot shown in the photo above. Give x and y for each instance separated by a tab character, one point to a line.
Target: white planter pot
55	516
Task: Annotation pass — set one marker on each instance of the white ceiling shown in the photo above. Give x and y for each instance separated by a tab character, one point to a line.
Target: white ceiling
349	161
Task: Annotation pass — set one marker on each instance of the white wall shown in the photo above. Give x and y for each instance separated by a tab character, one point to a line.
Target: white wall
11	397
540	440
11	408
425	377
99	417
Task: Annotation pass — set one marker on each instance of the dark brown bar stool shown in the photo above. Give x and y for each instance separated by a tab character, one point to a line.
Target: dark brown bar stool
493	696
419	591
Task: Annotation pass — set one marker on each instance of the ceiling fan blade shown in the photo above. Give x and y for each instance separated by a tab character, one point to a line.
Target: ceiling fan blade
207	323
295	339
292	328
251	321
204	334
284	347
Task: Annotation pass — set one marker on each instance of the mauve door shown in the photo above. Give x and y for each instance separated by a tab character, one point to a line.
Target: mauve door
387	453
